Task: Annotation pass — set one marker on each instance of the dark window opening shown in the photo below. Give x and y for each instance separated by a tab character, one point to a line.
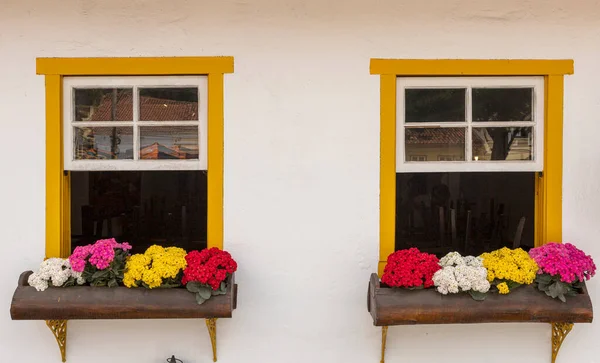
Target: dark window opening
466	212
140	207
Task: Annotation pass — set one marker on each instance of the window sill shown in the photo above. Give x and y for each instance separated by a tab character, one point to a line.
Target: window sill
389	306
58	305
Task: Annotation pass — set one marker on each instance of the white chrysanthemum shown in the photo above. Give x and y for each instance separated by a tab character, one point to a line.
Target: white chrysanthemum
461	274
55	271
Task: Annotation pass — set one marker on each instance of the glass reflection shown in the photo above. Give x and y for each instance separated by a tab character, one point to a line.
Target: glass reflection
435	105
434	144
169	104
502	143
103	104
502	104
169	142
103	143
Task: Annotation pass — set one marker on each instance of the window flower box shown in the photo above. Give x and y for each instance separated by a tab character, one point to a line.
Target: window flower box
58	305
394	306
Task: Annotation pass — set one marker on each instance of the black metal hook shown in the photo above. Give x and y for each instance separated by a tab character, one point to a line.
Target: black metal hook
173	360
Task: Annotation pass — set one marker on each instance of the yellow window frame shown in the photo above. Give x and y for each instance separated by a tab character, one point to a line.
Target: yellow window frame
58	223
548	203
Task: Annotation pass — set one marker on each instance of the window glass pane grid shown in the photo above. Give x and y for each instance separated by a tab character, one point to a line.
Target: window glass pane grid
470	124
191	123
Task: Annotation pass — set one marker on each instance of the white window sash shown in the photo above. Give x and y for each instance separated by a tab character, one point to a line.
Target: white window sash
468	165
70	83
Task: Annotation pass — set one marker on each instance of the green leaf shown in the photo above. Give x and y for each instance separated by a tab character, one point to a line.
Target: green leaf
199	299
112	283
476	295
100	274
543	279
205	292
562	298
193	286
512	284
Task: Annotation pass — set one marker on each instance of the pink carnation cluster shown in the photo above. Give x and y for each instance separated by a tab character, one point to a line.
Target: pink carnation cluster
564	260
100	254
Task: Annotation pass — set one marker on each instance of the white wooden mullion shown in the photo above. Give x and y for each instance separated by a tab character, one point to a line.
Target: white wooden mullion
130	164
136	117
469	136
102	124
167	123
504	124
400	126
435	125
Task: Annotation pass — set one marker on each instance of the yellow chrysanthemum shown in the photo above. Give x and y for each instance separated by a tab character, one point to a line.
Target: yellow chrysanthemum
513	265
503	288
155	265
134	269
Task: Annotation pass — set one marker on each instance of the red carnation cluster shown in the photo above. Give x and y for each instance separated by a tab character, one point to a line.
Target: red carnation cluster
410	268
208	267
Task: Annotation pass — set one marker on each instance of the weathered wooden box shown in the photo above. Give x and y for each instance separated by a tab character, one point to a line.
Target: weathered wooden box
389	306
86	302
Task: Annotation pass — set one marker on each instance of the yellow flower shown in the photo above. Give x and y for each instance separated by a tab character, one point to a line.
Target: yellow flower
503	288
134	269
154	266
506	264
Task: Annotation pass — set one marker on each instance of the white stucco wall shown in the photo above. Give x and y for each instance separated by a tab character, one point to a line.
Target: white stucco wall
302	146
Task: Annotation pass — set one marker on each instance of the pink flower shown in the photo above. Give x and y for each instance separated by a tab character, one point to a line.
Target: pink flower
100	254
78	258
564	260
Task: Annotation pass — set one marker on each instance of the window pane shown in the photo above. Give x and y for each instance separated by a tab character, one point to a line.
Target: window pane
103	104
169	142
466	212
502	143
168	104
140	207
502	104
435	144
435	105
103	143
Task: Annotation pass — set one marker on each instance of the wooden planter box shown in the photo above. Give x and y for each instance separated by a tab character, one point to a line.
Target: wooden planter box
57	305
525	304
389	306
86	302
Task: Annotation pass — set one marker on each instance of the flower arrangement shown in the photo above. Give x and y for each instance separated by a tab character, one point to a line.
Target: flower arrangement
206	273
157	267
410	268
462	274
55	272
563	268
102	263
508	269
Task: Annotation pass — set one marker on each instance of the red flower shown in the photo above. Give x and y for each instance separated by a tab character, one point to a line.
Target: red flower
410	268
209	267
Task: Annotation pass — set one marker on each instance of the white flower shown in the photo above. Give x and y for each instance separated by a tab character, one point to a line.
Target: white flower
55	272
461	274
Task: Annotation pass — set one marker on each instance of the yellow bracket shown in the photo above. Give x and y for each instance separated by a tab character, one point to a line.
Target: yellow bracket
384	330
559	333
59	329
211	324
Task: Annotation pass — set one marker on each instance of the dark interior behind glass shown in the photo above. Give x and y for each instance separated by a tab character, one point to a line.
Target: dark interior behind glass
140	207
466	212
